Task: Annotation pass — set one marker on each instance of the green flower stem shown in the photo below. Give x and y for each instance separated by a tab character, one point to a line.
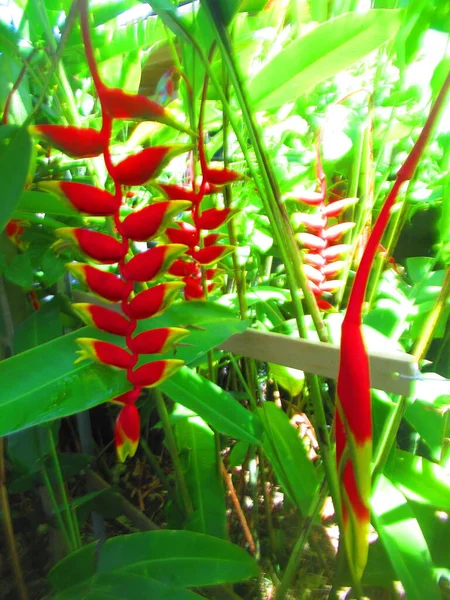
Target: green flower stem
160	473
71	519
173	450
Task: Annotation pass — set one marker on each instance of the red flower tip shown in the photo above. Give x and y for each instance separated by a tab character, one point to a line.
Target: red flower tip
186	234
127	431
87	199
153	301
105	284
147	223
156	341
211	255
178	192
220	177
98	246
213	218
103	318
154	373
104	353
76	142
129	397
138	168
310	198
311	241
212	239
153	262
183	268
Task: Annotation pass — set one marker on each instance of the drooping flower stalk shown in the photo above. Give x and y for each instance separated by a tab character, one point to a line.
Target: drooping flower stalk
353	405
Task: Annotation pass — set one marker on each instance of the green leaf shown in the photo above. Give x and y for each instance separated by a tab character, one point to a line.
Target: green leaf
290	379
196	446
404	542
429	424
321	53
419	479
40	327
238	454
181	558
75	568
20	271
216	406
288	457
41	202
14	162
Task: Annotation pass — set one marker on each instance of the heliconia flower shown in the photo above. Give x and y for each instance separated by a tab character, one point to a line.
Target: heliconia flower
183	268
316	260
179	192
129	397
85	198
138	168
334	232
147	223
311	241
213	273
98	246
313	274
193	289
332	285
220	177
103	318
323	304
333	268
121	105
210	255
104	353
314	221
333	252
154	373
314	288
103	283
213	218
185	234
151	263
77	142
127	431
156	341
335	208
153	301
212	238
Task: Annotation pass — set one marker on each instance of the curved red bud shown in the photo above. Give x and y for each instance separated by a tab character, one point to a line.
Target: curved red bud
183	268
103	318
127	431
334	232
104	353
153	301
331	285
310	198
213	218
335	208
77	142
153	262
186	234
211	255
98	246
193	289
179	192
324	305
129	397
85	198
156	341
212	239
311	241
138	168
154	373
149	222
220	177
103	283
121	105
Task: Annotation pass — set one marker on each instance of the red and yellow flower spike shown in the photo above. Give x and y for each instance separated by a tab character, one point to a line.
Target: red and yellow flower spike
127	432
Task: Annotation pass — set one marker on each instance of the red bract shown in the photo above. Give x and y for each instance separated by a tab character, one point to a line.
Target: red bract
104	353
220	177
154	373
151	263
178	192
182	268
138	168
149	222
185	234
127	432
156	341
87	199
98	246
213	218
211	255
76	142
103	318
104	284
153	301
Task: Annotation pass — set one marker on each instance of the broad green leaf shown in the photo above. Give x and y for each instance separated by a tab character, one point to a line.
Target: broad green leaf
75	568
419	479
197	449
429	424
290	379
124	586
20	271
41	202
404	542
213	404
288	457
14	162
320	54
40	327
180	558
238	454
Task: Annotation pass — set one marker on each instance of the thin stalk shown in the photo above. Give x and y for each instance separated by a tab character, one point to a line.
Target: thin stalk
173	451
160	473
267	504
71	520
56	509
237	507
9	529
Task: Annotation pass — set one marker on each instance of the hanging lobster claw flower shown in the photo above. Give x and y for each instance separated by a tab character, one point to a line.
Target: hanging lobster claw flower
179	192
313	274
138	168
316	260
156	341
127	432
333	268
14	229
103	318
77	142
151	263
213	218
153	301
129	397
98	246
147	223
314	221
121	105
104	353
211	255
186	234
105	284
154	373
310	198
84	198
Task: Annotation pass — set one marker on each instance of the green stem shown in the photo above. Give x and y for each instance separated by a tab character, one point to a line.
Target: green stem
173	451
56	509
